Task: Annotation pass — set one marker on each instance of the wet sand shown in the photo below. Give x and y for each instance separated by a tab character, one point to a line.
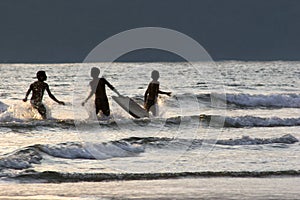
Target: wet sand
187	188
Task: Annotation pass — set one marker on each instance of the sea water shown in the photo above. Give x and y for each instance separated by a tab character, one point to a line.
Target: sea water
230	129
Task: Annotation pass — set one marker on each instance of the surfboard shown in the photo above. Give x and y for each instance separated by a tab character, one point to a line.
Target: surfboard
3	107
131	106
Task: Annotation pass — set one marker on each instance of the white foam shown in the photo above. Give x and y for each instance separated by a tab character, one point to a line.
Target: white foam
8	117
66	150
246	140
21	159
20	113
274	100
250	121
103	150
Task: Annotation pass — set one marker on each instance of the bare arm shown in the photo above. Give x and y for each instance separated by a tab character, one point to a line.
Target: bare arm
53	97
162	92
93	84
146	94
112	87
90	95
27	94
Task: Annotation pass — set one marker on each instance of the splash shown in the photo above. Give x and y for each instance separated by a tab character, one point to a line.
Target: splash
22	112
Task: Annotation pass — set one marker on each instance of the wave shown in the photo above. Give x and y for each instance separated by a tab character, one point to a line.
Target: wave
234	122
268	101
74	150
21	159
245	140
251	121
202	119
128	147
24	158
23	124
58	177
240	100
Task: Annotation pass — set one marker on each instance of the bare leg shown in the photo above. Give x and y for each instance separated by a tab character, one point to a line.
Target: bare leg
42	110
154	110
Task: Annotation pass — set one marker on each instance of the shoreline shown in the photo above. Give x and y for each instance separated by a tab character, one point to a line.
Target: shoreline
185	188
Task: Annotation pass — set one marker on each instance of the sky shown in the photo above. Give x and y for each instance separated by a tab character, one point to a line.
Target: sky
53	31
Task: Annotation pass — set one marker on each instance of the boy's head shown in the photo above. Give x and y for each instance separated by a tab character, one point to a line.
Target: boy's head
41	75
95	72
155	75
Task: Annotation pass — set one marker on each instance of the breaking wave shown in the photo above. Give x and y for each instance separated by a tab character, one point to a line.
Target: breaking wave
241	100
24	158
251	121
128	147
203	119
245	140
268	101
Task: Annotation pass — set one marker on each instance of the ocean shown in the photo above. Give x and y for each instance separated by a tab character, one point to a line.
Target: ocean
230	130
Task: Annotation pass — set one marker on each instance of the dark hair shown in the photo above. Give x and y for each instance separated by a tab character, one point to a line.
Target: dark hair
41	75
155	75
95	72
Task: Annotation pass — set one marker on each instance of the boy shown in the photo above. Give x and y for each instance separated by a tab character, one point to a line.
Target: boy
98	88
38	88
151	94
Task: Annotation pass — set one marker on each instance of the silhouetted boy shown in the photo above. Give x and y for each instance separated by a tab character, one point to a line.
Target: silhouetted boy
38	88
151	94
98	88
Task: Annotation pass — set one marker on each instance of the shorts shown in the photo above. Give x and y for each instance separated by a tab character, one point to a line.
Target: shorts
149	104
103	106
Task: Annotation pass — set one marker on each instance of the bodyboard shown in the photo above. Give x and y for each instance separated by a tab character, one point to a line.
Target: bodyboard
131	106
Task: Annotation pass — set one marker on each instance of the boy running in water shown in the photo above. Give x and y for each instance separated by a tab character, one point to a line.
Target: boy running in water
151	94
38	88
98	88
